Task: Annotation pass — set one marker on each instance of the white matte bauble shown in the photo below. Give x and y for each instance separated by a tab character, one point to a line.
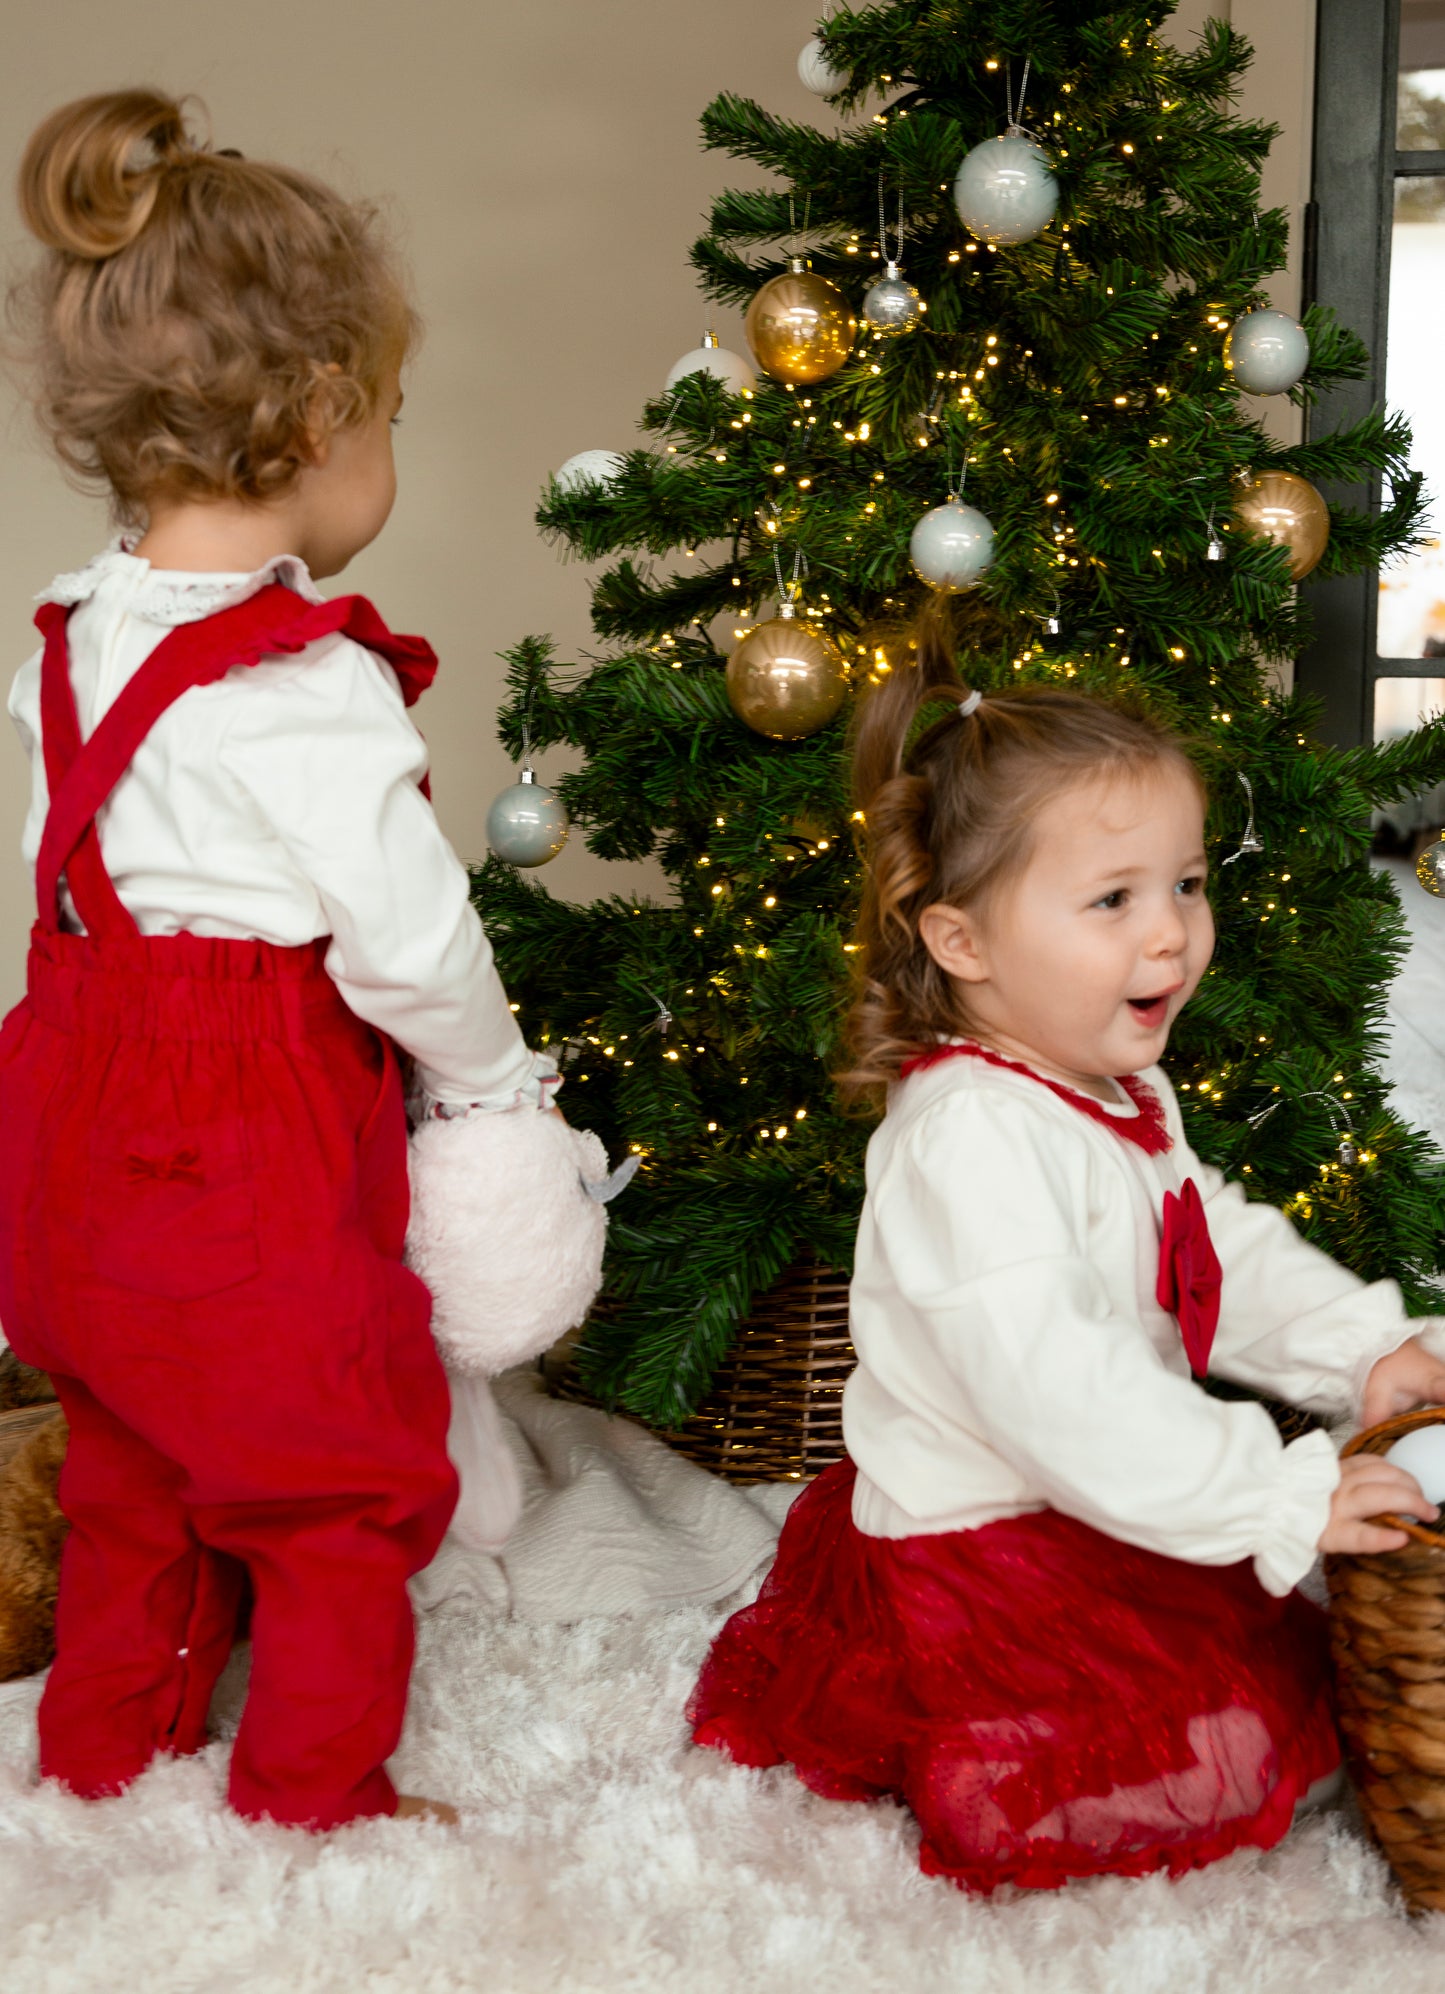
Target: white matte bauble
892	305
1266	352
816	73
1421	1453
710	358
951	546
589	467
526	825
1005	190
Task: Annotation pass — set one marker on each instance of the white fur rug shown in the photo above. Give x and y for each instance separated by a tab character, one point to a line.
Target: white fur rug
600	1851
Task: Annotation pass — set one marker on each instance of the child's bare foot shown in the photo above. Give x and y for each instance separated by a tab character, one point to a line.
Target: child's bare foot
412	1807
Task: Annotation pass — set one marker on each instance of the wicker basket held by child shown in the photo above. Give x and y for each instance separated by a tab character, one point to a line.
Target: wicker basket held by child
1388	1636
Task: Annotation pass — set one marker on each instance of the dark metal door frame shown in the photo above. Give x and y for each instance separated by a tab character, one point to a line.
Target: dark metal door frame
1347	265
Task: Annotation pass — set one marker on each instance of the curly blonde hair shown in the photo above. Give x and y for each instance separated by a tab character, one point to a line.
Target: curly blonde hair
948	818
199	322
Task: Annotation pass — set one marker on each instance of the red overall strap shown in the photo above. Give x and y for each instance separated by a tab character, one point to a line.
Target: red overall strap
273	622
1147	1129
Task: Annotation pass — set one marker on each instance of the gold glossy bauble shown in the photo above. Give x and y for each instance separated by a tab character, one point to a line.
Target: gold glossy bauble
784	680
1287	509
800	326
1430	868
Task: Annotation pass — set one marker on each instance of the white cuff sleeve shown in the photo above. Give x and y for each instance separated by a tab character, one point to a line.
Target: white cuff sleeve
1309	1476
539	1090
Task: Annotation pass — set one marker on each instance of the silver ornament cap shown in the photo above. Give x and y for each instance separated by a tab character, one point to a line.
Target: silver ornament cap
527	824
1005	190
951	546
1348	1151
892	305
1266	352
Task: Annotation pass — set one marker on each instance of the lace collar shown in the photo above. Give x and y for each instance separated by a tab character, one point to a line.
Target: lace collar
173	595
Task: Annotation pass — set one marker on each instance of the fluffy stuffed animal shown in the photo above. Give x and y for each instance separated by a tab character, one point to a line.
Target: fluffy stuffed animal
508	1226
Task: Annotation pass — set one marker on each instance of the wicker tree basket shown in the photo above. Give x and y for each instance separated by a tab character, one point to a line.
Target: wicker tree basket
775	1411
1388	1636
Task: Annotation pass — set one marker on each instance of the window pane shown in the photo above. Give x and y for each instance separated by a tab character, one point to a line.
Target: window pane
1420	105
1412	589
1400	706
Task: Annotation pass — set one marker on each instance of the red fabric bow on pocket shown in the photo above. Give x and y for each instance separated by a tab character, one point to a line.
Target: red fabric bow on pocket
1190	1276
182	1168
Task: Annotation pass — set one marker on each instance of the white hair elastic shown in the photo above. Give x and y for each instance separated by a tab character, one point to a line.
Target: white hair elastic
969	705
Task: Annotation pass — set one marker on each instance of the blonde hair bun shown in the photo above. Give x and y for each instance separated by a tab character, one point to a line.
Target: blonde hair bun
90	174
195	322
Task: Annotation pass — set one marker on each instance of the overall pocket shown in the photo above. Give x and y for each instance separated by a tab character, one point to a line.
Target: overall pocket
171	1209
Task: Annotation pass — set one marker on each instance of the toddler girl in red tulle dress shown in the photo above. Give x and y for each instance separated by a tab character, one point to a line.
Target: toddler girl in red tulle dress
1049	1598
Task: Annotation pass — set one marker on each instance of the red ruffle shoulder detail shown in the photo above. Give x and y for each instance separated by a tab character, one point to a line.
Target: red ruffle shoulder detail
275	622
1147	1128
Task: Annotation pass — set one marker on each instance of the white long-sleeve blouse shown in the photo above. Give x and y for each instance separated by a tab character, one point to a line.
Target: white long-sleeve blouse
282	804
1012	1355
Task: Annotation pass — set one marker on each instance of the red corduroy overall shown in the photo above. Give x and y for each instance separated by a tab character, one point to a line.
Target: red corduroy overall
203	1202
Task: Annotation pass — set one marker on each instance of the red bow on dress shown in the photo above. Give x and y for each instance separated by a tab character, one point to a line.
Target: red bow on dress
1190	1276
182	1168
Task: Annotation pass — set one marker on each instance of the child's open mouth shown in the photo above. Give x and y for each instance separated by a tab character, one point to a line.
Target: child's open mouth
1151	1011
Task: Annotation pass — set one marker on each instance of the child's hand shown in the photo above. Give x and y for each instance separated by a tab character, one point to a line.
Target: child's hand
1370	1485
1408	1377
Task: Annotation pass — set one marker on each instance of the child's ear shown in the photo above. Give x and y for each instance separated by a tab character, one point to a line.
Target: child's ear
953	938
319	427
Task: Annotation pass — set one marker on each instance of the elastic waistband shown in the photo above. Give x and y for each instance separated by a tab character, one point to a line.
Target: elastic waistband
183	987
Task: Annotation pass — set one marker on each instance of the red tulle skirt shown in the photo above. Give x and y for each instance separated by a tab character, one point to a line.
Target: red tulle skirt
1049	1702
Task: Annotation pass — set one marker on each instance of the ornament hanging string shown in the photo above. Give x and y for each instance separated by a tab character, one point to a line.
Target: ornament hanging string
691	452
1251	842
788	591
662	1023
793	213
1016	128
1347	1150
955	491
897	256
526	764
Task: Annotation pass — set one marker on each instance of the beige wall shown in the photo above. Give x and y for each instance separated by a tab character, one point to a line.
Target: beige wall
544	165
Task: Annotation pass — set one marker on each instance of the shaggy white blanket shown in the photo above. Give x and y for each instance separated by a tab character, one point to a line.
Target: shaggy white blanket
599	1850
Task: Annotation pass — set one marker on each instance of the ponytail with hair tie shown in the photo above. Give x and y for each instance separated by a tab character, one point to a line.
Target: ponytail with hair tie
947	815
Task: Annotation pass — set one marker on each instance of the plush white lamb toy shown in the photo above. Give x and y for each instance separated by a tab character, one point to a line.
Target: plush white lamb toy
508	1223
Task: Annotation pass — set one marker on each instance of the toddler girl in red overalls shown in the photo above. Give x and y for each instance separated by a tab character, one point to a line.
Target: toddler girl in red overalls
245	908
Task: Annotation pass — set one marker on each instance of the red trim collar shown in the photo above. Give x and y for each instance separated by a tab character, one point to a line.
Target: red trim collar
1147	1130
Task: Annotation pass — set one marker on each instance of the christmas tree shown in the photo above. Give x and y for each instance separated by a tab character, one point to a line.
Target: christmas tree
1077	378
